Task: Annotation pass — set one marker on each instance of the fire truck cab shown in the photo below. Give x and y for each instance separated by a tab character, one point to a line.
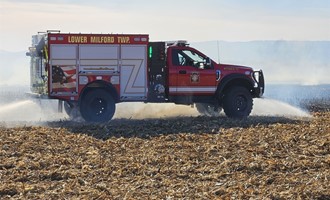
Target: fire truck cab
90	73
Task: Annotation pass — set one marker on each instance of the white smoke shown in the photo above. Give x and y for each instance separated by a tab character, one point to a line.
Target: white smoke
15	68
284	62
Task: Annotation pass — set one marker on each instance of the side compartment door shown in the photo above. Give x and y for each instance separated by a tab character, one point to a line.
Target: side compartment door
63	70
133	72
190	75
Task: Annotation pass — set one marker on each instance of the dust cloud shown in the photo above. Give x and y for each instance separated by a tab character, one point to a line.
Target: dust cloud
262	107
43	111
153	110
23	110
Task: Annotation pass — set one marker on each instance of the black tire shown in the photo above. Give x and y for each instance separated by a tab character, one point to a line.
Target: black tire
237	102
71	109
97	105
208	109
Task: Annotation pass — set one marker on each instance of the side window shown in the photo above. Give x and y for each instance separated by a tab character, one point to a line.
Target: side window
189	58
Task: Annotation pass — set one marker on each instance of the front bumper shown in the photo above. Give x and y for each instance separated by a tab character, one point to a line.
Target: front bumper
259	88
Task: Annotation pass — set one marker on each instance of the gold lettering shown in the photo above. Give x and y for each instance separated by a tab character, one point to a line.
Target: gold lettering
123	39
94	39
77	39
102	39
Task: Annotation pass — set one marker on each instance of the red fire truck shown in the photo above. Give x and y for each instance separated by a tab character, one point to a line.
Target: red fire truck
90	73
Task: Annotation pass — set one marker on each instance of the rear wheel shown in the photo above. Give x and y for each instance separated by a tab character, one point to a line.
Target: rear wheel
237	102
208	109
97	105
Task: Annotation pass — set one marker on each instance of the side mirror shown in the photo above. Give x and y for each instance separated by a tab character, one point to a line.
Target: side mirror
208	62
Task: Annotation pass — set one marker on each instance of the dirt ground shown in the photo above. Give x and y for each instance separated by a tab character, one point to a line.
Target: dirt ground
174	158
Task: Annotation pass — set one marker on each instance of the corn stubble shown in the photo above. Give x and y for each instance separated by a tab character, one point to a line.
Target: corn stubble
183	157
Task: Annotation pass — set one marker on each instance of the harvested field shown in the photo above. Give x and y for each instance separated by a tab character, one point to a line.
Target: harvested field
174	158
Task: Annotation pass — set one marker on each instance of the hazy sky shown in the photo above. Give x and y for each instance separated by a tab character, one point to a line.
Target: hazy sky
194	20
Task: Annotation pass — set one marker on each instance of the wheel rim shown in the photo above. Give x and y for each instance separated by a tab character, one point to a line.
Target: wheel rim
98	106
241	103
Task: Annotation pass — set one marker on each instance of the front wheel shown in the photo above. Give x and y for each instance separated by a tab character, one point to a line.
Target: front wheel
97	105
237	102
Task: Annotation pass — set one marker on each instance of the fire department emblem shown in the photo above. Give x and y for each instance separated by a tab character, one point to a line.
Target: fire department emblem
194	77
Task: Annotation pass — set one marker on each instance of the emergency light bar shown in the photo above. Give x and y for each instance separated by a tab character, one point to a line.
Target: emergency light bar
53	31
177	43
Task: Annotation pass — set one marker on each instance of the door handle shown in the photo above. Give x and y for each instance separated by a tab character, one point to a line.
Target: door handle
182	72
218	75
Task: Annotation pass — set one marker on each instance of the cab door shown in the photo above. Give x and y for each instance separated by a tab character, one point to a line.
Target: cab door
189	73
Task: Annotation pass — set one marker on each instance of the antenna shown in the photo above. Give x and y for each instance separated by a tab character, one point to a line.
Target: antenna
218	52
